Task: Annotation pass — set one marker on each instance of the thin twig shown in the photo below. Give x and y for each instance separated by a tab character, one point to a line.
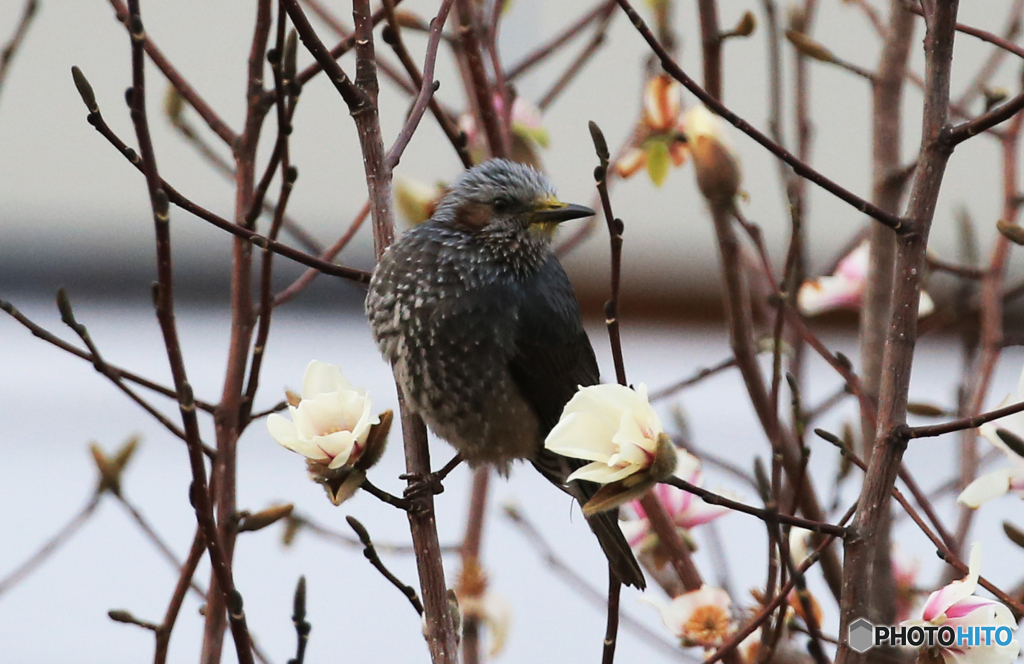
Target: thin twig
66	532
371	554
713	498
28	13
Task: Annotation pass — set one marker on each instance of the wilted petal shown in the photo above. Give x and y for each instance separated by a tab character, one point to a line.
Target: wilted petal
631	162
661	103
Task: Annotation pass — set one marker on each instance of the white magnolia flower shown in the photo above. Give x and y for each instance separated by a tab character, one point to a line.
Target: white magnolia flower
844	288
699	617
330	423
956	606
1011	478
613	427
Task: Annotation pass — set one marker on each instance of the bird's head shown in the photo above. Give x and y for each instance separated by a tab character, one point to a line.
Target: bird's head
502	199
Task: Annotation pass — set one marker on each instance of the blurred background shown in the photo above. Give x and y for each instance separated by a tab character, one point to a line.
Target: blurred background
74	213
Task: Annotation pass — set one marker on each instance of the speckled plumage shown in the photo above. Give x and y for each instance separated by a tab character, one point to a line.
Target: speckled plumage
482	327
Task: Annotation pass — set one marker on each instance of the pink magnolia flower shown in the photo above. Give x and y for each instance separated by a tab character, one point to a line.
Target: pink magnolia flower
844	289
1010	478
956	605
685	509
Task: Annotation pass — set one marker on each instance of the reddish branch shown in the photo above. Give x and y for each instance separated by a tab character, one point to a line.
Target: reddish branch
164	298
361	98
184	88
902	330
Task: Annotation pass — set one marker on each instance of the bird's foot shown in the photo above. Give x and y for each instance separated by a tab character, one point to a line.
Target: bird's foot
422	485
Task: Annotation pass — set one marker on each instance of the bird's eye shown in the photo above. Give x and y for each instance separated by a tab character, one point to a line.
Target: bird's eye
501	204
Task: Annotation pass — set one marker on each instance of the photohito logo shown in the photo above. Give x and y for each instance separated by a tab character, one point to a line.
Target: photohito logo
863	635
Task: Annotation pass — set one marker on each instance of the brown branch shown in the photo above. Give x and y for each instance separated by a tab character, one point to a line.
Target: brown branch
164	299
799	167
173	196
332	21
471	577
965	271
558	42
483	94
51	338
712	498
188	570
340	49
184	88
50	547
699	376
961	424
371	554
580	61
307	277
611	632
427	86
953	136
983	35
28	13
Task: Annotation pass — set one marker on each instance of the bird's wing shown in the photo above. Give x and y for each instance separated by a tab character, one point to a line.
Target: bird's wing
553	358
553	355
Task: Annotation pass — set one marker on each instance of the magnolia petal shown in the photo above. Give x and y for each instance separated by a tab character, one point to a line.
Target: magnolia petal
942	599
338	445
601	473
985	488
321	377
661	102
282	430
854	266
582	436
668	615
700	513
967	606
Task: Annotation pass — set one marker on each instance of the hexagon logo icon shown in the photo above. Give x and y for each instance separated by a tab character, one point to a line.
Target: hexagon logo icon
861	636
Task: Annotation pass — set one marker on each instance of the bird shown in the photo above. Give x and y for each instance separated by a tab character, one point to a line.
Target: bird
483	330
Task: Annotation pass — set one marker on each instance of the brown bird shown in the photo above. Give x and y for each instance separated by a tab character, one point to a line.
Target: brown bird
480	322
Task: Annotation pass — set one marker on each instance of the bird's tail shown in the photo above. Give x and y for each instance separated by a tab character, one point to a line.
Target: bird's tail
604	524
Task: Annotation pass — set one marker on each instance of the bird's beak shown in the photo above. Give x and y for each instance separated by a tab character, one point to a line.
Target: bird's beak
552	211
